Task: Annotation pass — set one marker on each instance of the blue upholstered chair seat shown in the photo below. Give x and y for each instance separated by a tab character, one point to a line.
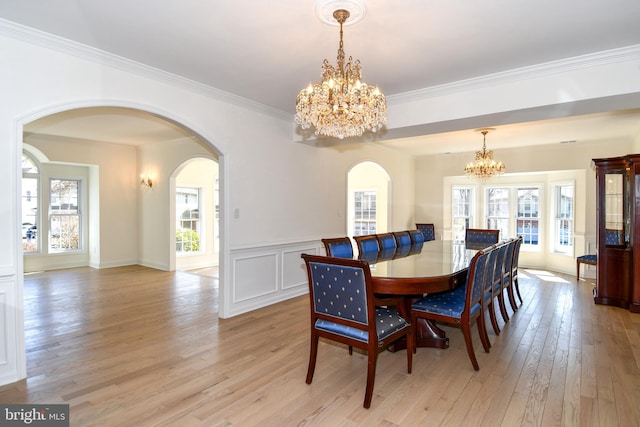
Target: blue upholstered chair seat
588	258
388	322
445	303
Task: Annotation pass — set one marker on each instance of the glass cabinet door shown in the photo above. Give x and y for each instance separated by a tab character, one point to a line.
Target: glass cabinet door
614	215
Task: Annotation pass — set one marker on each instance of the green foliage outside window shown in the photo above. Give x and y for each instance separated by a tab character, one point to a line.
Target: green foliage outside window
187	240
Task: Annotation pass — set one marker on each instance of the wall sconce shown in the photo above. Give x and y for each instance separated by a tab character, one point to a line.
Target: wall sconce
145	181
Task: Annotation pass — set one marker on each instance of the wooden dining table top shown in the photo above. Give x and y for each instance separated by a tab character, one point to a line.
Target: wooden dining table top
438	266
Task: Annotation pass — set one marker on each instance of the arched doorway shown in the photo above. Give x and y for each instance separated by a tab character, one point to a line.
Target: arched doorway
196	212
118	144
368	196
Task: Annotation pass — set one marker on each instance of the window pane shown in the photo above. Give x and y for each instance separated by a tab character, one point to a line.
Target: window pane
498	210
30	214
563	233
64	215
462	208
364	213
528	214
188	228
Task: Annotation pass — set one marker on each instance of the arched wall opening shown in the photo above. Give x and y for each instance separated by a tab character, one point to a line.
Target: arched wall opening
368	199
39	129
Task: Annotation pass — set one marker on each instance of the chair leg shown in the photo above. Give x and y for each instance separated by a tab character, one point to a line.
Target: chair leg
503	308
371	376
466	331
492	316
482	331
577	270
515	282
312	357
512	298
411	338
350	350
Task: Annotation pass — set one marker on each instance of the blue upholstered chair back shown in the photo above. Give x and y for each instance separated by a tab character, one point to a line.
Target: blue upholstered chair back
417	237
403	239
476	278
613	237
339	291
516	254
500	263
508	258
428	231
339	247
368	246
387	241
492	258
481	237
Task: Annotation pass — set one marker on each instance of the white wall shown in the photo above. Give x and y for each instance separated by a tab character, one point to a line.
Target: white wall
287	194
113	237
436	174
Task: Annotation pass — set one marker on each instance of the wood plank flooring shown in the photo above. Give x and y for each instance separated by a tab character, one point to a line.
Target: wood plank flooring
134	346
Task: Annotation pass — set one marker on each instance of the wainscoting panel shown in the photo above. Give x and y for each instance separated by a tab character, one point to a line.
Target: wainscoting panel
8	362
262	276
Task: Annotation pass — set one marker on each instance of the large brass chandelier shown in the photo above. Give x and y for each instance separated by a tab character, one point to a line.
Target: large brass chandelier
484	166
342	105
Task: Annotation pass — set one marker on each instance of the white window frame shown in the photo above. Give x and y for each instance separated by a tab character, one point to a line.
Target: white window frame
372	219
200	222
79	214
559	218
457	234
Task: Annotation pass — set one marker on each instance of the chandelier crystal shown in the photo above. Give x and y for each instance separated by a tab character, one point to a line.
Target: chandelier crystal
342	105
484	166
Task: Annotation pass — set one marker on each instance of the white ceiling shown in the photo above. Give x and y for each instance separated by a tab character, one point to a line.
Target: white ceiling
267	51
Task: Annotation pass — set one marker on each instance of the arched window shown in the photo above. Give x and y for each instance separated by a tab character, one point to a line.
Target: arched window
30	203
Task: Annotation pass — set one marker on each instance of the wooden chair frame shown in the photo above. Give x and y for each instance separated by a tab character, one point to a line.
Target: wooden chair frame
373	346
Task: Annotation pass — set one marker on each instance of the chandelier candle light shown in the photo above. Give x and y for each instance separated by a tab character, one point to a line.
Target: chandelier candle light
484	167
342	105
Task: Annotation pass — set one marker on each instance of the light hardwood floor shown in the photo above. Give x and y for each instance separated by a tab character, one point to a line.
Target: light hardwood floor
134	346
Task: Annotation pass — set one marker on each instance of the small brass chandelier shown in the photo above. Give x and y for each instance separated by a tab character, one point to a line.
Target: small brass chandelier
342	105
484	166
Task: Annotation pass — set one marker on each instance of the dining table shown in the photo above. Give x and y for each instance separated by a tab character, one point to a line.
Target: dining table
435	266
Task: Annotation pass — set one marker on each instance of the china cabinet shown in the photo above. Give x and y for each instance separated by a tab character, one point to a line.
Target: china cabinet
618	223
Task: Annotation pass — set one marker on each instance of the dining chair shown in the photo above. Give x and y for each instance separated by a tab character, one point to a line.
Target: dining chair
417	237
488	305
590	259
514	267
368	247
387	244
477	238
343	309
461	307
507	282
428	230
403	238
339	247
498	279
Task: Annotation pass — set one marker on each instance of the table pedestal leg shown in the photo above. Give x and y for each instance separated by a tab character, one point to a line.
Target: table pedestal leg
427	335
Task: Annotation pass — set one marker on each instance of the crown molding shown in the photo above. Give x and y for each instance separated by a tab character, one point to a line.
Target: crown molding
525	73
82	51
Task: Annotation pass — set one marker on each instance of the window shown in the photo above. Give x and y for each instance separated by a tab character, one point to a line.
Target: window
64	215
189	226
528	214
563	226
30	204
498	210
364	213
462	203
